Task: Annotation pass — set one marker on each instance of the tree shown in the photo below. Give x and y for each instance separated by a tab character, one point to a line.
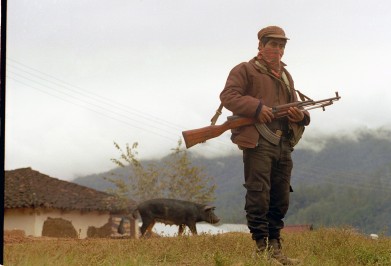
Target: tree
186	181
174	177
143	183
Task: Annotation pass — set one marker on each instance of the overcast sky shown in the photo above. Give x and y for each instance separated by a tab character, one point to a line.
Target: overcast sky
82	74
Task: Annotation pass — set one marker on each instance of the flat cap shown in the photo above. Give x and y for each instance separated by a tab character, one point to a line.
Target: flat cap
272	32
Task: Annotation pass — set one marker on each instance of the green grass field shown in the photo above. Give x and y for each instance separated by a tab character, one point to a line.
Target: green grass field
318	247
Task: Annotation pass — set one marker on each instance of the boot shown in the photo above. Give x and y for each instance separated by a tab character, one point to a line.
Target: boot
276	253
261	245
263	252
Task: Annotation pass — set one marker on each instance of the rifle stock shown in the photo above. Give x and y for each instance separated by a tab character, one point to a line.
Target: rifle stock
195	136
199	135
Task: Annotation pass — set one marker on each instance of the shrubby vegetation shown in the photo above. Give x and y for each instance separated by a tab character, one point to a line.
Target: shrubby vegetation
174	177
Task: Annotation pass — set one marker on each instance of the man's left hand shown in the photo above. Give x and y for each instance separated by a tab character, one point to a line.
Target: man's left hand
295	115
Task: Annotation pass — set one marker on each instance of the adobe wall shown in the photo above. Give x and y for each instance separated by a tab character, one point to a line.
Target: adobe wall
57	223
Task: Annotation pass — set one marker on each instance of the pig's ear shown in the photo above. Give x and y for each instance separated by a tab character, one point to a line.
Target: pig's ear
207	208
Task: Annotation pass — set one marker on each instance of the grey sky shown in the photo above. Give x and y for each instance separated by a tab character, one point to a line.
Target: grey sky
82	74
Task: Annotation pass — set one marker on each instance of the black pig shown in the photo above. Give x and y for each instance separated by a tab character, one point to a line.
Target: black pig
172	211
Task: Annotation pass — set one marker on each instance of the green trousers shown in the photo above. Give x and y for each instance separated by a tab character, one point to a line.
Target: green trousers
267	173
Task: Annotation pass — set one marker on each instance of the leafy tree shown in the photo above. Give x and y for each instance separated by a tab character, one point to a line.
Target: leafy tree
143	182
174	177
185	181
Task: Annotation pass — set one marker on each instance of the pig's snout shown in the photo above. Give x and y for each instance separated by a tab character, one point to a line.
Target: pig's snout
211	216
214	219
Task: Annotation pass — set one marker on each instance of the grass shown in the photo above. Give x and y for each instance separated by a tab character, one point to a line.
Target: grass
319	247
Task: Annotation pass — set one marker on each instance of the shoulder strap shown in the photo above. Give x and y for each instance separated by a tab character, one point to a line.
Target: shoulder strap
217	114
286	81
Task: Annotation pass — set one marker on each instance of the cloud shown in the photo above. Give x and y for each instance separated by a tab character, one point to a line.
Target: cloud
82	74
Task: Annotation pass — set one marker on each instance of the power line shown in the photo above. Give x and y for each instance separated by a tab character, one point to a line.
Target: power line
81	100
91	96
93	100
90	109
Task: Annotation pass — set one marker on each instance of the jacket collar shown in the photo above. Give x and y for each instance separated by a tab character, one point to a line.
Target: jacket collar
258	65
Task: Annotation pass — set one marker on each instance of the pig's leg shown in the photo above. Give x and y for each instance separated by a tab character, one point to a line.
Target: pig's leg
147	226
193	228
181	228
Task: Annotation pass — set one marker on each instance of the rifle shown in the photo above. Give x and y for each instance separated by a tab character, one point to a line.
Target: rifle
199	135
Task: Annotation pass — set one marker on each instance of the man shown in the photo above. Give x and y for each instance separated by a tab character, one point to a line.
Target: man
252	88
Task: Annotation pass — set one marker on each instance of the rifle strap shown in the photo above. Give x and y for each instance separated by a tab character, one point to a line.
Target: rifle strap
302	96
217	114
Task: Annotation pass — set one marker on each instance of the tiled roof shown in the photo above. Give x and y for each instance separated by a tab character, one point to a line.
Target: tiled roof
27	188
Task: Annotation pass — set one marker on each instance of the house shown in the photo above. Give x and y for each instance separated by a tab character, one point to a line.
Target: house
41	205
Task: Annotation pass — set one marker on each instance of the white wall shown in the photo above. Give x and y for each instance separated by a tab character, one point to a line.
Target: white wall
31	221
23	219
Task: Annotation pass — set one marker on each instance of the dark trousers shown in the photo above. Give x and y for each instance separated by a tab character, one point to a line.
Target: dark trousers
267	173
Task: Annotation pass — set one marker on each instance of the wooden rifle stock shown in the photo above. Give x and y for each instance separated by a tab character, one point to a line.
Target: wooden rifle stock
195	136
199	135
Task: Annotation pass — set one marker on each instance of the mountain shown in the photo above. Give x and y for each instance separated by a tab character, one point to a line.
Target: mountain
345	182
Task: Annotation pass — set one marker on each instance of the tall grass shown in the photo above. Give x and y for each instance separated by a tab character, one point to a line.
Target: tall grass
319	247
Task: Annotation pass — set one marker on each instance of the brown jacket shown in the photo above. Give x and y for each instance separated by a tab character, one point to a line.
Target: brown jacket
248	85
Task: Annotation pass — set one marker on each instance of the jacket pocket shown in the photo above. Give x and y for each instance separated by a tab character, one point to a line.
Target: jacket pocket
256	198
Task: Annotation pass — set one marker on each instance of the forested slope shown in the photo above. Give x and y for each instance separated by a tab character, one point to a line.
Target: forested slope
347	182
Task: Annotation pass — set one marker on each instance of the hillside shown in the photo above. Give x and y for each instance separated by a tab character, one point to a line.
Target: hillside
347	182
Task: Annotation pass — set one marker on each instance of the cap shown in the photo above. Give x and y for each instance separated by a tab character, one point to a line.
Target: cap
272	32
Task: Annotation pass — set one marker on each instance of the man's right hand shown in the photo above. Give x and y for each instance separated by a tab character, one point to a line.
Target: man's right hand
265	115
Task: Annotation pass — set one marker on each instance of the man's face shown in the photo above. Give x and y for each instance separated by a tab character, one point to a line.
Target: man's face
277	43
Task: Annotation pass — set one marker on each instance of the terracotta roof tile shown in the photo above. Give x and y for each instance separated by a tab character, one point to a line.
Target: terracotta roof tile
27	188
